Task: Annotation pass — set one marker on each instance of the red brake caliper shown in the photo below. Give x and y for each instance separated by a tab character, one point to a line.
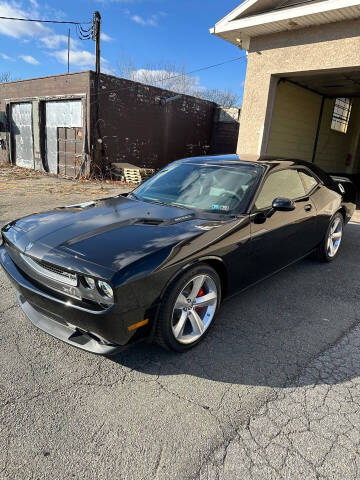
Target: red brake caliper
200	294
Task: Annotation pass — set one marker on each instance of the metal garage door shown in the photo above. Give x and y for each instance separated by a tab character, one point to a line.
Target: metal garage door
67	114
22	135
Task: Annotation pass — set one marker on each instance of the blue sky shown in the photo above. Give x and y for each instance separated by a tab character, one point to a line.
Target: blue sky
146	31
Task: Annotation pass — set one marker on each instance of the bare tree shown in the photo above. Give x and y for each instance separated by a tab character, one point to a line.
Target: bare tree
5	77
173	77
225	98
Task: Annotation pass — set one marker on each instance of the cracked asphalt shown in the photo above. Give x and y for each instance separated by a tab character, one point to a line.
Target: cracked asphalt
272	392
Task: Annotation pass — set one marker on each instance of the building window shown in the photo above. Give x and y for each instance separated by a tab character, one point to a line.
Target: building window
341	114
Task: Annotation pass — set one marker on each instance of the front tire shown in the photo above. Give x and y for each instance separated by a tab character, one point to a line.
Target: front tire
329	248
188	309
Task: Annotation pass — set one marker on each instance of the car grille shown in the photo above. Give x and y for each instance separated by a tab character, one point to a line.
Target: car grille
51	271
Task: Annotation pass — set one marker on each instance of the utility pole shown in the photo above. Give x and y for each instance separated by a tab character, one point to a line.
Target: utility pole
68	58
97	147
96	38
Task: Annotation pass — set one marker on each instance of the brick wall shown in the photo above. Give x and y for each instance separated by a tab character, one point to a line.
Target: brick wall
137	128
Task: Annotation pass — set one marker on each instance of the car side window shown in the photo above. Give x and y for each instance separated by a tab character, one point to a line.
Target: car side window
308	180
285	183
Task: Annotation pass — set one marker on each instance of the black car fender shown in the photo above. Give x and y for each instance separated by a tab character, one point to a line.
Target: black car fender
213	261
216	262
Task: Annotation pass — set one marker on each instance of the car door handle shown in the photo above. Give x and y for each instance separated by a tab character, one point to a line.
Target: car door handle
308	207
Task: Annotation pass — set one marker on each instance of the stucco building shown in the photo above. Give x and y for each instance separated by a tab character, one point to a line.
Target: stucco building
302	89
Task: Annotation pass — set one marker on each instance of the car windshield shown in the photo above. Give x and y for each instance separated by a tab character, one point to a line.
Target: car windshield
211	188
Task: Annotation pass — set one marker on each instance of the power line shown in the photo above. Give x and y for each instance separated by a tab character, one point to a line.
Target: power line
45	21
86	34
211	66
191	72
91	33
82	33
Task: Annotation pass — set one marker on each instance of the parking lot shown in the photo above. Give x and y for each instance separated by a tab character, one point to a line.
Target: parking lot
272	392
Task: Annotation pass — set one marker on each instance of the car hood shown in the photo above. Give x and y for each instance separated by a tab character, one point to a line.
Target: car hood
103	237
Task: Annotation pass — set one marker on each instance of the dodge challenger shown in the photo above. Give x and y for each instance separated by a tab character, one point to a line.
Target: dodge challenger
155	264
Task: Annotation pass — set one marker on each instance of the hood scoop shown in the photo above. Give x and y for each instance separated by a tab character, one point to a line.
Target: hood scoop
78	206
159	221
148	221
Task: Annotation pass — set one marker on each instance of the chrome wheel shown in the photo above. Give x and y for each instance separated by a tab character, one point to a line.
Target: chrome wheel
194	309
335	237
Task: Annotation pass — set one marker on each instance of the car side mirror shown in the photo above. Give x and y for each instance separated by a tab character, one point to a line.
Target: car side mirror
283	205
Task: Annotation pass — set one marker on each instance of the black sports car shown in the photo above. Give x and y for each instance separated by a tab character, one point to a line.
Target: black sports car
156	263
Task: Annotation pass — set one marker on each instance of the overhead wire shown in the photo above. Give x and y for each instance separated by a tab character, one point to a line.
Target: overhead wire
86	34
180	75
82	33
67	22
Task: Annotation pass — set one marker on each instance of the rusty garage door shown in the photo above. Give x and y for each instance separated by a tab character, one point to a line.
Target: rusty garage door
64	136
22	134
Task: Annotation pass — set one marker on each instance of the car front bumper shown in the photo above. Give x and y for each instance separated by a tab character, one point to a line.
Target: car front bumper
102	331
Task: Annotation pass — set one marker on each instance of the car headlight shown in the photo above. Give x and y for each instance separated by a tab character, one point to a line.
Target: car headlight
89	283
105	289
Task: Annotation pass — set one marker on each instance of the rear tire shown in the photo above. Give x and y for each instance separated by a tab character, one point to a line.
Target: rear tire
188	309
329	248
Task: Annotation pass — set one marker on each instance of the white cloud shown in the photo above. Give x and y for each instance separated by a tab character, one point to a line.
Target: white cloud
30	59
54	41
82	58
106	38
6	57
150	21
44	35
16	29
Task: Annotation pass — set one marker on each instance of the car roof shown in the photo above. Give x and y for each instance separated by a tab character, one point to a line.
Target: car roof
270	162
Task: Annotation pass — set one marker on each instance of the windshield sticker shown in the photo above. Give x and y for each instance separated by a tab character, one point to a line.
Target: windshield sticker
222	208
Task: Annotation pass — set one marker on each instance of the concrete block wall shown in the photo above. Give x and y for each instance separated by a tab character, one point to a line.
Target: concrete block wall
137	127
226	130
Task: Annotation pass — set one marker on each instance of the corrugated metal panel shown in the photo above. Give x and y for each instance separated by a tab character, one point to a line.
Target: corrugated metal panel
22	135
67	113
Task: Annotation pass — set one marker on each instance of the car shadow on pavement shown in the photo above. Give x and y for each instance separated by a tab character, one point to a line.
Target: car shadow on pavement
267	335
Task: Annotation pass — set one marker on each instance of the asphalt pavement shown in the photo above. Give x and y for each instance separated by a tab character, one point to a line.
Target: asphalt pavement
272	392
